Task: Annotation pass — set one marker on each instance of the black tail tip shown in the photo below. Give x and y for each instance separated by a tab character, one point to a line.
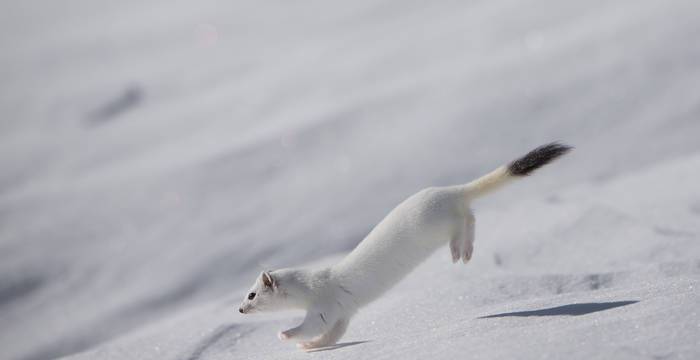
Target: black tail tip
537	158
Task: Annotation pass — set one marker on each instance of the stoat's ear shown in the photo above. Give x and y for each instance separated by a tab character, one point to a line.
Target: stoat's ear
267	279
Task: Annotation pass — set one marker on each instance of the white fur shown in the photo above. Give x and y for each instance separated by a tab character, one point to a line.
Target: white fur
402	240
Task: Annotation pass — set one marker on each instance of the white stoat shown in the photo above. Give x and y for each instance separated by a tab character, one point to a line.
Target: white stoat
402	240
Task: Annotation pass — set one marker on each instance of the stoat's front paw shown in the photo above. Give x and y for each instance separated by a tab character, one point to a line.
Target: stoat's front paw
308	345
283	335
318	342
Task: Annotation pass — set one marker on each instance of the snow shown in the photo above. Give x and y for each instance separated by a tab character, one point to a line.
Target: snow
155	156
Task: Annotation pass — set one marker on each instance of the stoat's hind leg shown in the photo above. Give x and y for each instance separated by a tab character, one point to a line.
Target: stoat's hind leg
328	338
468	239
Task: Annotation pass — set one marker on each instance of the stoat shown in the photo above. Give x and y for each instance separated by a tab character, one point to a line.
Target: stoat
402	240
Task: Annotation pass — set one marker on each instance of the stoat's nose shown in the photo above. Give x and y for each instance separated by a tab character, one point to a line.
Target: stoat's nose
240	310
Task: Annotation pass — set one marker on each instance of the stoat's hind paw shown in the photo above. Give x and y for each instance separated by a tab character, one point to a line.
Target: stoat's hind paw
454	248
468	238
467	254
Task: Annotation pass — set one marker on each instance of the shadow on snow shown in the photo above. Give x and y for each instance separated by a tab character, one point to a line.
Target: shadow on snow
571	309
338	346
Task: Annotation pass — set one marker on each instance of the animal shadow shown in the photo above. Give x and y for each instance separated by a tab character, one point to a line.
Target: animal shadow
338	346
571	309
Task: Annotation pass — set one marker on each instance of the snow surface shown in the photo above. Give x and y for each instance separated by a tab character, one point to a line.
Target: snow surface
156	155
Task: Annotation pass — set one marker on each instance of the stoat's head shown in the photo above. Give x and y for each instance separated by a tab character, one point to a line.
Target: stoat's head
263	296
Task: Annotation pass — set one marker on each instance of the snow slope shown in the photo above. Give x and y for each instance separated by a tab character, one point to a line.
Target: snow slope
155	156
562	288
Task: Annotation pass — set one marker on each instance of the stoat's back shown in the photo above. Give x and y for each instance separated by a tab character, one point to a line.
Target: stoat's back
400	242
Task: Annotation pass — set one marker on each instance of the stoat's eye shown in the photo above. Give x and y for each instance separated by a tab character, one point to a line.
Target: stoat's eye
251	296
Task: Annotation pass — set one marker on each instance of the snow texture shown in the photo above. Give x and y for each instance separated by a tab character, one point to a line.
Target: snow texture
155	156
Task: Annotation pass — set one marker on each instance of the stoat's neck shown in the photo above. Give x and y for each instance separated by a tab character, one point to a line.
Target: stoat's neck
297	286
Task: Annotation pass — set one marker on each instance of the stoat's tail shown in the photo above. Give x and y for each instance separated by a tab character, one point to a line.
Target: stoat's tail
520	167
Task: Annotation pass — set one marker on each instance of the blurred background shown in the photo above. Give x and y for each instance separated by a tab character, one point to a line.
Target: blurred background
156	154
